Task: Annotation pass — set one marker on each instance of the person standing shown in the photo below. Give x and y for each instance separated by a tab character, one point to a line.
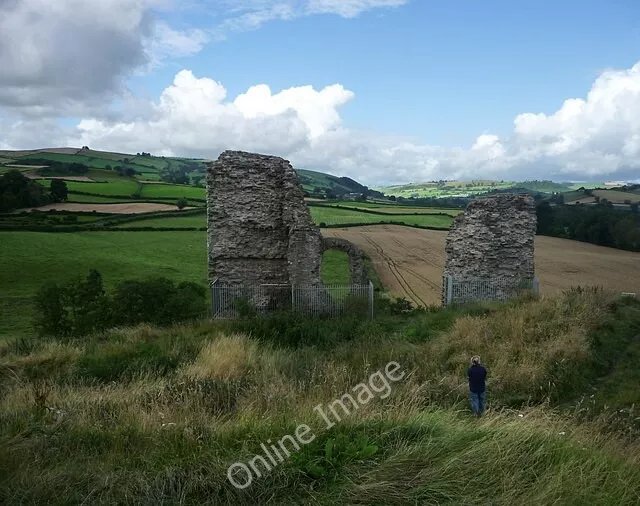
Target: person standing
477	388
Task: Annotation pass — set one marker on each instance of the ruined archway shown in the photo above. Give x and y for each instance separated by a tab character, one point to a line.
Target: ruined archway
357	268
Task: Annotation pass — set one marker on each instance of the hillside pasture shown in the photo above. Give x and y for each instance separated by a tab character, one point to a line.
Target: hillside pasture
410	262
395	209
198	221
116	208
335	216
173	191
123	187
616	196
78	198
38	257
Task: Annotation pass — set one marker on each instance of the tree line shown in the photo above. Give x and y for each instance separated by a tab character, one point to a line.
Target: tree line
18	191
600	224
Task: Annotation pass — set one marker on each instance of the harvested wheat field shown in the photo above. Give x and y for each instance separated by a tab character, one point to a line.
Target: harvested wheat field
132	208
410	261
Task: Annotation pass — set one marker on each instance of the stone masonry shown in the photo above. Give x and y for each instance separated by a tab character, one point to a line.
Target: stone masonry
357	268
259	229
493	238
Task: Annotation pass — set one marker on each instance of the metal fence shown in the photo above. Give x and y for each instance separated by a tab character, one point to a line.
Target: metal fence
461	291
231	300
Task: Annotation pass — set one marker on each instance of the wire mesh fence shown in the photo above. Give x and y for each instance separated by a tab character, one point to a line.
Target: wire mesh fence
231	300
462	291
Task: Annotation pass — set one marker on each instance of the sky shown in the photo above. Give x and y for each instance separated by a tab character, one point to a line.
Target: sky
383	91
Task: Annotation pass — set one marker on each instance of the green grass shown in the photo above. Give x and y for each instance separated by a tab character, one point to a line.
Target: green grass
117	255
330	216
156	416
116	187
395	209
171	221
333	216
97	199
180	256
335	268
148	176
176	191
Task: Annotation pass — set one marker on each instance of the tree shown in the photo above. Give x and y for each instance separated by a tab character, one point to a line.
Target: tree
17	191
58	190
182	203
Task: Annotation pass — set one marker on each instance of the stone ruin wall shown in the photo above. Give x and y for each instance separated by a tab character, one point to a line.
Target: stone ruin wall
357	267
493	237
260	230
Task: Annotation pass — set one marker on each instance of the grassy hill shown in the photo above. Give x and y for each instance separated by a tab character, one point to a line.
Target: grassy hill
440	189
157	416
143	167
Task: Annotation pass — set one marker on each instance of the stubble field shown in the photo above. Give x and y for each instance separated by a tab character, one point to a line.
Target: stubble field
410	261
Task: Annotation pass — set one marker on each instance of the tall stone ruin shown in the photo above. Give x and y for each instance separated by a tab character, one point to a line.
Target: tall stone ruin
260	230
491	241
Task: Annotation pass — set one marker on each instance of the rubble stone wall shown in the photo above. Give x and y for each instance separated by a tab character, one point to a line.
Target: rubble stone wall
493	238
357	268
259	228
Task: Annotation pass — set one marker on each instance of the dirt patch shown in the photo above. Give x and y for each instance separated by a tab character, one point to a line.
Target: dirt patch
66	178
122	208
410	262
17	166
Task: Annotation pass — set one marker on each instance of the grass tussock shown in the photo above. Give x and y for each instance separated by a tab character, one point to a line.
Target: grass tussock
142	415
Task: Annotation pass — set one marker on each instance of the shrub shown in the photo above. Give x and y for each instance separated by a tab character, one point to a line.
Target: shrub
158	301
83	306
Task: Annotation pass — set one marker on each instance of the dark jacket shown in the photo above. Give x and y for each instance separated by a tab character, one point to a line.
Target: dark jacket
477	375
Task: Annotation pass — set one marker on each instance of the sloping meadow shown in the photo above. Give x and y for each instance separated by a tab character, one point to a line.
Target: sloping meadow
147	415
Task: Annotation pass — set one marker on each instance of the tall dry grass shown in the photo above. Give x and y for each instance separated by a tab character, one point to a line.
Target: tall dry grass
77	425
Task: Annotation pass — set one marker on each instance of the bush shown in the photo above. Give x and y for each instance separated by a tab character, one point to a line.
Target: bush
158	301
82	306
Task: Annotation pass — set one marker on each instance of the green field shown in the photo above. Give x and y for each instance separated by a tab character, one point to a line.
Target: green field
335	268
334	216
122	187
117	255
180	256
97	199
328	215
617	197
175	191
445	189
199	220
394	209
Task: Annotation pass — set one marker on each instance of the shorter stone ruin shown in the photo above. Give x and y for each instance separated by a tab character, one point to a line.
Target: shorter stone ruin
489	248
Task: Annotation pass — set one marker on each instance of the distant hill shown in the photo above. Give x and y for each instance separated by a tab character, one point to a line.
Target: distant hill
461	189
146	167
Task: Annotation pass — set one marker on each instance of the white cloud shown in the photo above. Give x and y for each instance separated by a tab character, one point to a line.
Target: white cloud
65	56
598	136
243	15
68	57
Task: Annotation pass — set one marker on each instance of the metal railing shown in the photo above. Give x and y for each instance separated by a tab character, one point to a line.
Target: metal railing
462	291
231	300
